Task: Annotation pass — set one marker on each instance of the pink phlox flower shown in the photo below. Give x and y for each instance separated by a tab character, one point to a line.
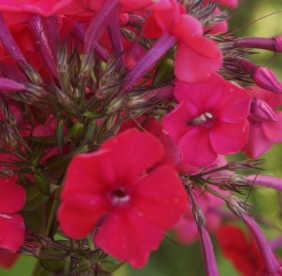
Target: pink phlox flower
197	57
12	199
263	134
142	200
210	119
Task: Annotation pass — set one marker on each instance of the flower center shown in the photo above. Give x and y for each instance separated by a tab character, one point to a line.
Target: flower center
120	195
206	119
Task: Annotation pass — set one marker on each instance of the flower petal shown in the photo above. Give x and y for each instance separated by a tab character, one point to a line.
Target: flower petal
90	173
160	197
128	236
196	148
258	143
79	213
12	232
273	130
12	196
229	138
138	150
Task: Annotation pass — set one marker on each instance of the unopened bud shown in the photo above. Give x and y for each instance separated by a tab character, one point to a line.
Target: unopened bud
31	74
266	79
199	216
262	76
75	131
35	90
62	97
238	206
248	164
262	111
272	44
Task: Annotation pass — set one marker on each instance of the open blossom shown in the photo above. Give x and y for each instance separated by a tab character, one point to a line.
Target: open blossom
12	230
209	120
197	57
239	249
140	200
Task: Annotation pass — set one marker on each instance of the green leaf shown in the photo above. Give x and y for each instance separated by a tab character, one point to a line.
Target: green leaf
34	199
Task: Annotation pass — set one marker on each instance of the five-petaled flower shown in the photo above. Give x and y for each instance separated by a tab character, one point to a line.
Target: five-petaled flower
122	181
209	120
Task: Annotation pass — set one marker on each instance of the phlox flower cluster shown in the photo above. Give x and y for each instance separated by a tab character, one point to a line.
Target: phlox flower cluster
116	117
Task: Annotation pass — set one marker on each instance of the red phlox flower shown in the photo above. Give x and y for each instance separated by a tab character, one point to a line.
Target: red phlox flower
121	179
197	57
263	134
7	259
239	249
172	155
12	199
209	120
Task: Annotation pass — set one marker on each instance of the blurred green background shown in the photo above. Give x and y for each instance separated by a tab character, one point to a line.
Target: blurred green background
172	259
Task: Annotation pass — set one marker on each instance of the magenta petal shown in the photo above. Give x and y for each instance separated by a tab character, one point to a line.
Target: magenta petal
79	213
139	151
235	105
160	197
229	137
12	232
258	143
191	66
204	95
128	236
186	230
176	122
196	148
12	196
90	173
273	130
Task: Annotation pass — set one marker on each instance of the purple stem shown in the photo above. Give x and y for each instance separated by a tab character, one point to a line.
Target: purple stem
10	72
52	34
271	264
275	243
79	33
208	254
99	23
37	29
10	85
148	60
115	37
258	43
265	181
9	43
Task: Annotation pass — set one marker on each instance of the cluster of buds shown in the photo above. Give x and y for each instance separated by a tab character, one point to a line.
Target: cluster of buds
115	116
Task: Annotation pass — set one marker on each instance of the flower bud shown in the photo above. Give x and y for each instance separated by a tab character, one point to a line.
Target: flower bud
262	111
262	76
248	164
266	79
272	44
